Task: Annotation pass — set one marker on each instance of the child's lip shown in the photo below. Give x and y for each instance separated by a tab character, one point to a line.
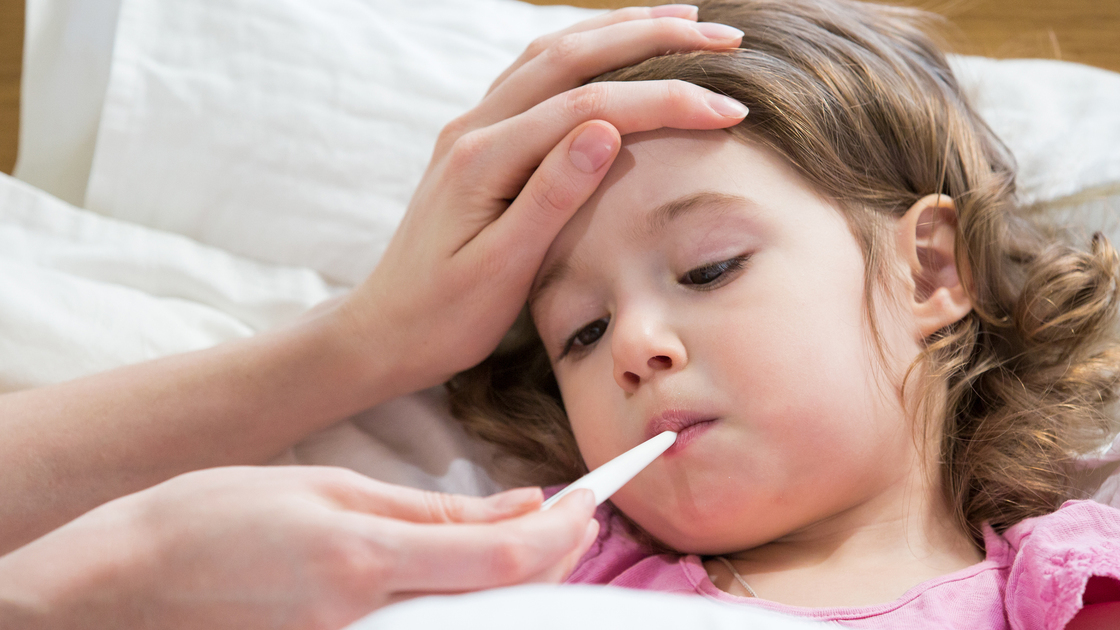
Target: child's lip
688	434
677	421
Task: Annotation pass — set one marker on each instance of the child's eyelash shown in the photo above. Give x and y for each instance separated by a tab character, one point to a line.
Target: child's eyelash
703	278
714	275
570	346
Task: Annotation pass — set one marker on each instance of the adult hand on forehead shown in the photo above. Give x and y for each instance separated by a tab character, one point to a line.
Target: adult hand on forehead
507	175
286	547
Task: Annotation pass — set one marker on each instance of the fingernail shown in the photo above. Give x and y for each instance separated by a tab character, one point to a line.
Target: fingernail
592	148
727	106
720	32
686	11
589	536
583	495
516	500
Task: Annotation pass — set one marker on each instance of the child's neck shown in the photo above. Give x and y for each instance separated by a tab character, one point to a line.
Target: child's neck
870	554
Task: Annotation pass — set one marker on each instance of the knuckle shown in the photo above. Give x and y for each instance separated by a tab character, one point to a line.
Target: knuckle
443	507
452	131
467	149
512	560
550	195
538	46
679	93
337	477
586	101
354	561
630	13
565	48
676	31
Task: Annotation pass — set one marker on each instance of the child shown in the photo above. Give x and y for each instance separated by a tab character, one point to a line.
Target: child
879	373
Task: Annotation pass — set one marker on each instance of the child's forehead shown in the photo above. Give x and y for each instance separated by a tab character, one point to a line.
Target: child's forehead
661	174
664	181
675	149
655	167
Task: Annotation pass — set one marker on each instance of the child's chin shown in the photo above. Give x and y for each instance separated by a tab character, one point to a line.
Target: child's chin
699	541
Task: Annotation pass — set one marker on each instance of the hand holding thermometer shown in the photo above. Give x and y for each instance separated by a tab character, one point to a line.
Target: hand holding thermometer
604	480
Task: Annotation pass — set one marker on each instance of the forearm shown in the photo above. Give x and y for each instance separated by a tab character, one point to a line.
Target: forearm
70	447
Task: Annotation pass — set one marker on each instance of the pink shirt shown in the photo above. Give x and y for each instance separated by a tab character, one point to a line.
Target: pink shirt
1034	576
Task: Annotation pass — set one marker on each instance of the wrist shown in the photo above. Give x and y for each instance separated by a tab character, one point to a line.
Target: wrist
85	574
376	360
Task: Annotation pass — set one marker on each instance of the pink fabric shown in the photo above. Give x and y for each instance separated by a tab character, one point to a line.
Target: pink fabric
1034	575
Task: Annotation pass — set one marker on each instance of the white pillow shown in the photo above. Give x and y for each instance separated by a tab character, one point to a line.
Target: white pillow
293	131
547	607
82	293
67	48
1062	123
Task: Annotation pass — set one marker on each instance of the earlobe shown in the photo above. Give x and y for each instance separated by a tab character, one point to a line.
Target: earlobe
927	238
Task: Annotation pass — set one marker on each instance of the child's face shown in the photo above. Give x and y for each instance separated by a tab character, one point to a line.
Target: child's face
706	284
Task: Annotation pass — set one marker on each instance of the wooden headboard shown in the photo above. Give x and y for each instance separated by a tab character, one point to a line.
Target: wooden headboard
11	56
1085	31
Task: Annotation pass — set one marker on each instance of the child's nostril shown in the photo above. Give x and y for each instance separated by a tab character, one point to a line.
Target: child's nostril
631	378
660	362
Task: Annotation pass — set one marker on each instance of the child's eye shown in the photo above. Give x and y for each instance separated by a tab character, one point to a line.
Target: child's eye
586	336
709	274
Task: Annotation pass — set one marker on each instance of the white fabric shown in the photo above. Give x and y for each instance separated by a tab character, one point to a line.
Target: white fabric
568	607
1060	120
292	131
67	48
81	293
412	441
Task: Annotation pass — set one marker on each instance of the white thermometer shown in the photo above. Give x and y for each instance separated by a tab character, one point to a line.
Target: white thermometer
606	479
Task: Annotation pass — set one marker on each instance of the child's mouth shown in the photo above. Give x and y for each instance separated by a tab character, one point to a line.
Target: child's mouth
686	435
687	425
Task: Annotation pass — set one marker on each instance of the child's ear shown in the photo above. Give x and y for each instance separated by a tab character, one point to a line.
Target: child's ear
927	239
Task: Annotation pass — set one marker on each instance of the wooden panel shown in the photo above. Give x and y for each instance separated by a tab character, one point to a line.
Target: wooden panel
1085	31
11	58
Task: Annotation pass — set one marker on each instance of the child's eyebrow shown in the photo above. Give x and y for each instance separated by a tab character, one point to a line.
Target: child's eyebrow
657	221
670	211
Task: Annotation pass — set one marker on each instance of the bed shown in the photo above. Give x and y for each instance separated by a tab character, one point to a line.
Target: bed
197	171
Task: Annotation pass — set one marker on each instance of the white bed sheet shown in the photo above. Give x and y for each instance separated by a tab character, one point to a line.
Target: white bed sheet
254	124
571	607
81	293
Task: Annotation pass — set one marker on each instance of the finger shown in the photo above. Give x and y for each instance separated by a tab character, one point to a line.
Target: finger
359	493
561	570
578	57
541	44
563	182
629	107
462	557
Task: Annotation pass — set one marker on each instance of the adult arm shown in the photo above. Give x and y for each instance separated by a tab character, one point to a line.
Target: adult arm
451	282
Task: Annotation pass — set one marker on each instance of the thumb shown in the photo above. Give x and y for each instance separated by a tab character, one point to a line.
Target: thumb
565	180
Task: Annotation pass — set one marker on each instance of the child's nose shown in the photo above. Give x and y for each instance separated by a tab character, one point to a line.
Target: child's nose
643	347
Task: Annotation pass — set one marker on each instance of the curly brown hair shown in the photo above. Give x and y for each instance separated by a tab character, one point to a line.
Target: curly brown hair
862	102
